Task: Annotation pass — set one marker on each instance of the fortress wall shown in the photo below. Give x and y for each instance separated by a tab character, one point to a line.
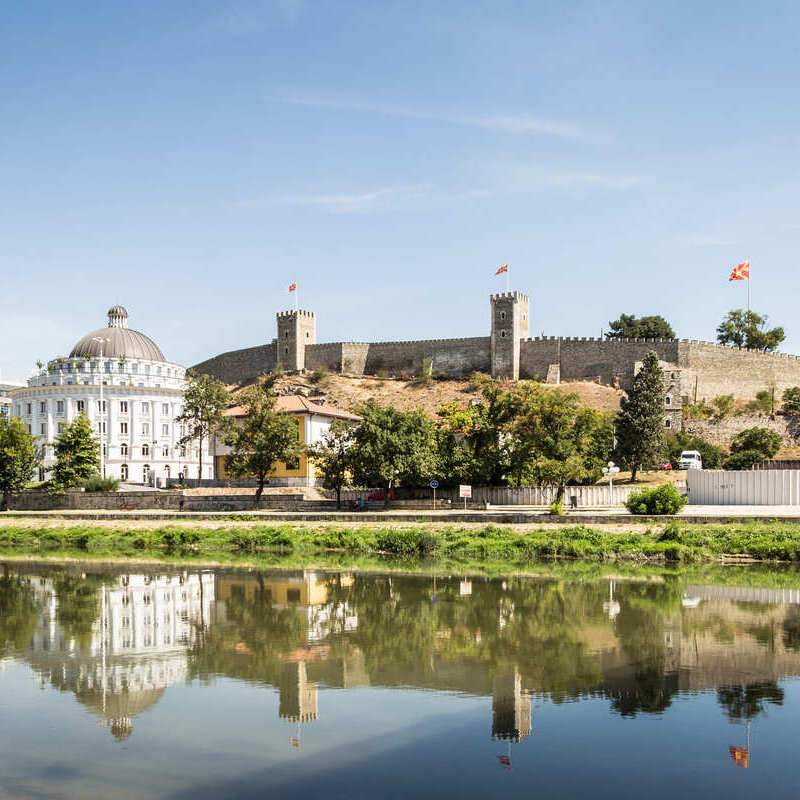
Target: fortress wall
324	356
237	366
588	359
354	357
729	370
451	357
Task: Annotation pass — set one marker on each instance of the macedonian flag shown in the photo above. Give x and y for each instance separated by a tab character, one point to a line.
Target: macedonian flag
740	756
502	269
741	272
293	286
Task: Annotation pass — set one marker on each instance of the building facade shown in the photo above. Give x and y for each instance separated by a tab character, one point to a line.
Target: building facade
121	381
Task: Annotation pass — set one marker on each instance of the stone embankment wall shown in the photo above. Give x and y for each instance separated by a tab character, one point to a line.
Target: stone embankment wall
721	431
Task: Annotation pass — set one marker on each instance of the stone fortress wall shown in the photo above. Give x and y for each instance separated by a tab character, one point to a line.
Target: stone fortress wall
694	368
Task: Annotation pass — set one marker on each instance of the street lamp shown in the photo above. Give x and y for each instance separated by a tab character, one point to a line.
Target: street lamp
102	342
610	471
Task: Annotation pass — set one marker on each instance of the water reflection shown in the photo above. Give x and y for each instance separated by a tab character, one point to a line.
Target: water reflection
117	641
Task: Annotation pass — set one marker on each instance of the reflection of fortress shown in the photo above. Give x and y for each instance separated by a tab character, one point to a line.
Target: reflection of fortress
139	630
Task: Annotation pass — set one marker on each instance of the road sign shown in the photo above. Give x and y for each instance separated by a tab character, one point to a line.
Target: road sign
434	484
465	492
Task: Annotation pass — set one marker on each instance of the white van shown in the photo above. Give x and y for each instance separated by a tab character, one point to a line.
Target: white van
690	459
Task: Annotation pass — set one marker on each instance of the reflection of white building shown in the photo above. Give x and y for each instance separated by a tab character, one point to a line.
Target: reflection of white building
142	396
137	646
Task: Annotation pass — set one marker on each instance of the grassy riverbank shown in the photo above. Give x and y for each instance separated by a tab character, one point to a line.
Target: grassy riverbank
674	543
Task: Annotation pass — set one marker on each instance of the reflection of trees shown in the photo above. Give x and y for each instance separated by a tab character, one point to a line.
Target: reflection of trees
791	630
746	702
19	610
78	605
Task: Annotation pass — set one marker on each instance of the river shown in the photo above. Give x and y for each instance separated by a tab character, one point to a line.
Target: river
154	682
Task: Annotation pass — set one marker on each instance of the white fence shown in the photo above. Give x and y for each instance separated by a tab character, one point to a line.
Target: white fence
746	488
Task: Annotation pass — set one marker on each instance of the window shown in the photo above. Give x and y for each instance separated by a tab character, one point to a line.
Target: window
667	400
165	452
145	476
165	409
146	369
30	431
123	428
502	315
123	406
30	409
43	429
108	366
145	449
80	406
101	427
145	429
286	350
43	407
166	471
105	451
165	430
158	370
123	450
102	407
183	449
667	423
502	334
293	463
145	407
123	471
135	369
60	427
292	595
59	406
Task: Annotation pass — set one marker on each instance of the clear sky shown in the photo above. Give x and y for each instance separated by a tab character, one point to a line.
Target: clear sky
191	159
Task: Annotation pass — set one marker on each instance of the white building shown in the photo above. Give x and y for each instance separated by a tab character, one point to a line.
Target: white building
142	394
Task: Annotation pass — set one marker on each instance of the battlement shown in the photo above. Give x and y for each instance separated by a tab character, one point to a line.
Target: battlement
510	296
295	313
409	341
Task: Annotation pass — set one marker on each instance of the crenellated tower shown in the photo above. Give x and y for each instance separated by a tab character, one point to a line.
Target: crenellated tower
296	329
510	324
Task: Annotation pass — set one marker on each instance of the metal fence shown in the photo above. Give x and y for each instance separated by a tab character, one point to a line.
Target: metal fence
746	488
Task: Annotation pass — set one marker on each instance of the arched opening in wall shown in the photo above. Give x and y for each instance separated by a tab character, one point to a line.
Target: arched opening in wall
667	423
146	450
166	471
308	335
668	400
123	472
502	315
123	450
502	334
286	350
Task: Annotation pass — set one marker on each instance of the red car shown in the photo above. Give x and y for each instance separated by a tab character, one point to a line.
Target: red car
665	465
381	495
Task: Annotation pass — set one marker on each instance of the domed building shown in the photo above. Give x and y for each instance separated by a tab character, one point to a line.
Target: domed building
131	394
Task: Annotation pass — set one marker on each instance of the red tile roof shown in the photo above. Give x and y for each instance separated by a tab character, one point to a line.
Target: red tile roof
297	404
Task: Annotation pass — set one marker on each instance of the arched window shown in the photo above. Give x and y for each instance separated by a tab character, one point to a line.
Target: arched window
667	423
668	400
123	450
145	473
145	449
123	472
166	471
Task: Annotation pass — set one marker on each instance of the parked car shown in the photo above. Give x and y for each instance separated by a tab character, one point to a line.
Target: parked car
665	465
690	459
381	495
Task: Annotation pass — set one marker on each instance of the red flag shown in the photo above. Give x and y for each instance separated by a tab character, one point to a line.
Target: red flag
740	756
504	760
292	287
502	269
741	272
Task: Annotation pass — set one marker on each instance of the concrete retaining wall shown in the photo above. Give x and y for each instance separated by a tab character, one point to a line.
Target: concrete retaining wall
759	488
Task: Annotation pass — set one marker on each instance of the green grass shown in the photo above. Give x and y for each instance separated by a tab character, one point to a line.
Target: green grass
678	543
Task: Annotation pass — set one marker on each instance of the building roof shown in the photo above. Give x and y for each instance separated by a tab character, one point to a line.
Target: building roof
297	404
118	341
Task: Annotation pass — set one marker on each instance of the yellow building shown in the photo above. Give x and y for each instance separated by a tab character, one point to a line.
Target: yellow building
313	416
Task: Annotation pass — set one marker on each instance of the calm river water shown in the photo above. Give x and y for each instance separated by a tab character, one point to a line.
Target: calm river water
195	684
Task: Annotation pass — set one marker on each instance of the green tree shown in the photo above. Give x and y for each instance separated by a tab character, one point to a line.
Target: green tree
391	445
19	457
331	455
77	452
764	402
204	404
640	423
791	400
724	405
629	327
556	433
263	437
751	446
749	330
676	443
749	700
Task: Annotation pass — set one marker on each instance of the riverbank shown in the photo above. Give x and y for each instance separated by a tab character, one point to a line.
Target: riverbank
673	542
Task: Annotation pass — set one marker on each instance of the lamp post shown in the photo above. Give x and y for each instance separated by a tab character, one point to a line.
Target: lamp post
610	471
102	342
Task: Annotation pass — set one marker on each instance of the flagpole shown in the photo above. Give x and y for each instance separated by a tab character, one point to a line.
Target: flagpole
508	280
748	287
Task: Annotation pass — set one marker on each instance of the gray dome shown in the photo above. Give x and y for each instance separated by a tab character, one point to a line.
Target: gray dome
118	340
122	342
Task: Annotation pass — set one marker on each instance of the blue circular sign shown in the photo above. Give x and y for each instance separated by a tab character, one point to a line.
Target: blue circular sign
434	484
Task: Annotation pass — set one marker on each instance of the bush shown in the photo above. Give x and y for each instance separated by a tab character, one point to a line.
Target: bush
382	375
762	440
744	459
791	400
723	405
665	499
319	375
557	507
96	483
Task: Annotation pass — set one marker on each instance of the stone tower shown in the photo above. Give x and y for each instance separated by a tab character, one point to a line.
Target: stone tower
296	329
510	324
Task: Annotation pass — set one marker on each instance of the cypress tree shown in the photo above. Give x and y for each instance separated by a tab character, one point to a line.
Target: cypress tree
640	424
77	454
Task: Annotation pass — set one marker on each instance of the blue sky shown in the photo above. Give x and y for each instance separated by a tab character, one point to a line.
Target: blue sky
191	159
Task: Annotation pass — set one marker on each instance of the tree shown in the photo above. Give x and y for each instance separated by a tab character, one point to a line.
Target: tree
629	327
749	330
204	403
391	445
751	446
331	455
676	443
77	452
724	405
556	432
791	400
264	436
19	457
640	423
764	402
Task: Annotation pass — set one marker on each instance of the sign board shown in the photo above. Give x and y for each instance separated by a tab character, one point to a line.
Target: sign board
434	484
465	492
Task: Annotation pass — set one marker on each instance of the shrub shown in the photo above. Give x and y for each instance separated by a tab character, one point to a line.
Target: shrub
744	459
763	441
723	406
557	507
96	483
791	400
382	375
664	499
319	375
